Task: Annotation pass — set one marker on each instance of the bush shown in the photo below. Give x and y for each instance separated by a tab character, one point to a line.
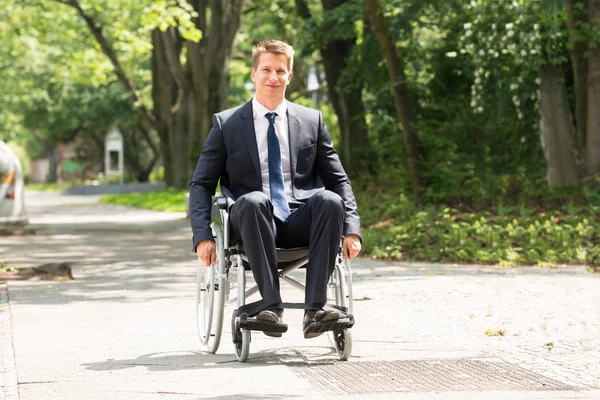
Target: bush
450	236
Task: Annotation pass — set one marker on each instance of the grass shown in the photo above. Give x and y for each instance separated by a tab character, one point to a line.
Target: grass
171	200
47	187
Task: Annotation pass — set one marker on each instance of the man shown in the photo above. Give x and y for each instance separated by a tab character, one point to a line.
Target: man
284	183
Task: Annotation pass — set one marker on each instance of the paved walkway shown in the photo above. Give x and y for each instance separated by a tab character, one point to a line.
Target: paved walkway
125	328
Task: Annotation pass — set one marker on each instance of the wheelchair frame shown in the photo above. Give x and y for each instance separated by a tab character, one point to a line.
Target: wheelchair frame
213	287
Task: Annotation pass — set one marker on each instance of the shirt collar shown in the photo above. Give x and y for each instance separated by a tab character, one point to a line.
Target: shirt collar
260	110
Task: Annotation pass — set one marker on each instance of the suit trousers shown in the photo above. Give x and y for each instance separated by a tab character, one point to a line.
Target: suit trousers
318	224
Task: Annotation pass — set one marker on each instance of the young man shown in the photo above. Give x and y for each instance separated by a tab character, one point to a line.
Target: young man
284	183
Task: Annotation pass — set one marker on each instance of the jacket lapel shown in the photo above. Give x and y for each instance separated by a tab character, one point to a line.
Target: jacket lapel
249	135
294	135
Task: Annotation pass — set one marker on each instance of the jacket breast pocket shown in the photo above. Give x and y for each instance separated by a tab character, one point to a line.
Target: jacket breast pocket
306	159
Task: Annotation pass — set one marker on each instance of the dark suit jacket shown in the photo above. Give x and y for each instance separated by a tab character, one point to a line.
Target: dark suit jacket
231	155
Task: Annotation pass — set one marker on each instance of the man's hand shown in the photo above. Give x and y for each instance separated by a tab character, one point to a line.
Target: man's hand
207	252
352	246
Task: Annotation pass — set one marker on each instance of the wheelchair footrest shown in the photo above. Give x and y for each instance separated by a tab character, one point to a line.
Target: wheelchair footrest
316	328
252	324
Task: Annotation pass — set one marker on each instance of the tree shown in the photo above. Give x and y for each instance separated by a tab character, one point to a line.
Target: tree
191	49
54	96
526	53
334	34
576	20
592	140
395	65
558	133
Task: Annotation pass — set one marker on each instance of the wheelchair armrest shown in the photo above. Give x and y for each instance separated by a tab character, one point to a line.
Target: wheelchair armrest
220	202
219	205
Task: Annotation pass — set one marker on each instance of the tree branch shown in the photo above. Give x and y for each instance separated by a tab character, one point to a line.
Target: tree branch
146	136
251	9
200	21
96	30
233	19
169	39
302	9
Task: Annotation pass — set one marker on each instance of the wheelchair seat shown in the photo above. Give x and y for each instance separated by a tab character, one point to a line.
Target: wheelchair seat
285	257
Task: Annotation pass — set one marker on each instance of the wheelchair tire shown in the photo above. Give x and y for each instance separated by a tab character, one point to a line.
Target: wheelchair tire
242	350
343	343
210	296
341	287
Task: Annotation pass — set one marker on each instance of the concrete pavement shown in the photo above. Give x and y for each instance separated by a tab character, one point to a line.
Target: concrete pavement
125	328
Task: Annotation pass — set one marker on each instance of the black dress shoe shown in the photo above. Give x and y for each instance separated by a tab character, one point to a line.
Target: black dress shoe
271	315
316	316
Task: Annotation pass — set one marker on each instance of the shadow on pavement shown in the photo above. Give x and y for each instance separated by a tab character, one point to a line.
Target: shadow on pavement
197	360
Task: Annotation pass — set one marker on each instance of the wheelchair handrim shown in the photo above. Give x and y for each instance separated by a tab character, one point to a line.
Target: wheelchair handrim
205	301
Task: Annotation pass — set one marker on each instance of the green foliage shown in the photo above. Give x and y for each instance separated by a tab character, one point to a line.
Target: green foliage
506	237
583	30
474	76
47	187
157	175
171	200
60	87
240	75
508	43
329	117
162	15
342	22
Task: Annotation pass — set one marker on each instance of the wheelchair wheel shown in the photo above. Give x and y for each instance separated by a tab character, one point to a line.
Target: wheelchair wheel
341	294
210	296
343	343
242	349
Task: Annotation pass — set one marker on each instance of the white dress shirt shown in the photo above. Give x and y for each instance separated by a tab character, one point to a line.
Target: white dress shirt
261	125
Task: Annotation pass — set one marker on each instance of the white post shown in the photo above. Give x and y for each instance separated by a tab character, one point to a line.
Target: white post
114	143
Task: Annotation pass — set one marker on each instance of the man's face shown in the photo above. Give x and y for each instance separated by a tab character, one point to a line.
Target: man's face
271	76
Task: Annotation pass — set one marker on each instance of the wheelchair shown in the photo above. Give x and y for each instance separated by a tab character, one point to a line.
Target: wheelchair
214	287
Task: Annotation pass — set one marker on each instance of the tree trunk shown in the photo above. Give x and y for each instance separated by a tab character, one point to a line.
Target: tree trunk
592	148
558	133
580	69
347	104
334	61
299	83
208	67
209	60
141	160
186	96
53	161
404	108
171	98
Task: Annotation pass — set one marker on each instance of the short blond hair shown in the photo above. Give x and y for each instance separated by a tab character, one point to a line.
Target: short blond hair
275	47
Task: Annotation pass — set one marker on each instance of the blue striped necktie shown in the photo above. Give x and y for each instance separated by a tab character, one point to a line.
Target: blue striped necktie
282	209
